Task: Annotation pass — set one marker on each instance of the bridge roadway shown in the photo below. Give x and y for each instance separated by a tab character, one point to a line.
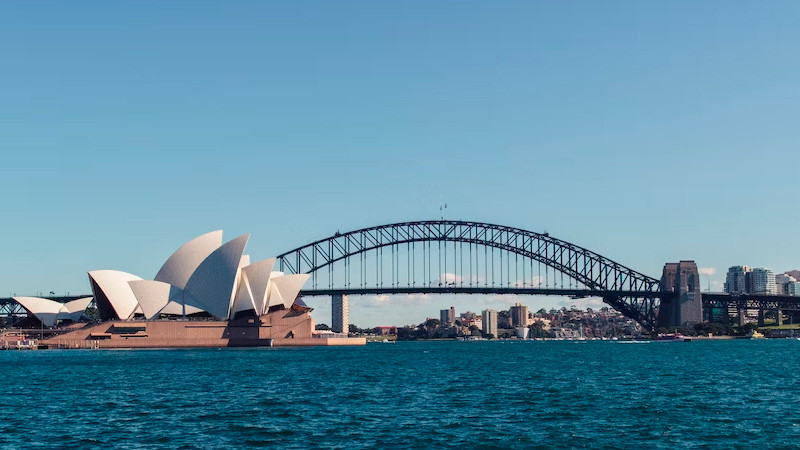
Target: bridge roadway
751	301
576	293
710	299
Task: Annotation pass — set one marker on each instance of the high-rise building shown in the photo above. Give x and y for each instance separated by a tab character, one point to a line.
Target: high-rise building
469	315
340	313
736	280
763	281
448	316
519	315
783	282
793	288
489	322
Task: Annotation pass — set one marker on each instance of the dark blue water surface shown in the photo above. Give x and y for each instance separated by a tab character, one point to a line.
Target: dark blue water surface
713	394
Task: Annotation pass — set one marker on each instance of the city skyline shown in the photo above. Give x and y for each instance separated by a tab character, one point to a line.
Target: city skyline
630	129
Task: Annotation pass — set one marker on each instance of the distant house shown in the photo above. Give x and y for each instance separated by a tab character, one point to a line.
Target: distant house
386	330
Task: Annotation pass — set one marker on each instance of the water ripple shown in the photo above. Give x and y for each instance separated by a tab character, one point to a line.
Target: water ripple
706	394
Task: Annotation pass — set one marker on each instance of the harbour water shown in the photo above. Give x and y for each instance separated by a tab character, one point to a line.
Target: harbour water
489	394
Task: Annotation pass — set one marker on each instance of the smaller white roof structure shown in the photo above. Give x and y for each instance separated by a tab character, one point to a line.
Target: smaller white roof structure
114	286
153	295
75	308
244	296
289	286
49	311
44	309
175	308
258	274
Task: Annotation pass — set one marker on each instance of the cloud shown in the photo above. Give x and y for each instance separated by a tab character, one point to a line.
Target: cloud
583	303
534	283
707	271
450	279
382	300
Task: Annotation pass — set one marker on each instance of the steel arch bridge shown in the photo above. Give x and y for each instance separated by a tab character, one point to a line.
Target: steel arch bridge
458	257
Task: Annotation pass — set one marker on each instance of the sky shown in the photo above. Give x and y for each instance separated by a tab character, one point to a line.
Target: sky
647	132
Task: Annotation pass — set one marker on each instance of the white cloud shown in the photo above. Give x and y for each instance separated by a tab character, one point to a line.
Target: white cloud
450	279
707	271
534	283
582	303
379	301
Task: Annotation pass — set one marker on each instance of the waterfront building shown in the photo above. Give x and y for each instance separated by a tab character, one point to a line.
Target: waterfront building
386	330
519	315
793	288
762	281
735	281
566	333
340	313
240	303
205	277
447	316
489	321
469	315
782	282
522	332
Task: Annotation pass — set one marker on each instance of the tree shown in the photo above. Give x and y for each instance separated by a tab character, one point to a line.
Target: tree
407	334
322	326
541	311
537	330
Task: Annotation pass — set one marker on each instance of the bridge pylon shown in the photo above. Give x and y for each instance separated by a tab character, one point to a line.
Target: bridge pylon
685	307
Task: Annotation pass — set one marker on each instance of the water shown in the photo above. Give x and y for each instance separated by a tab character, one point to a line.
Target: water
715	394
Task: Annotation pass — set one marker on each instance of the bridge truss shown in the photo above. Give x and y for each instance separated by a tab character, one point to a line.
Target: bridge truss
458	257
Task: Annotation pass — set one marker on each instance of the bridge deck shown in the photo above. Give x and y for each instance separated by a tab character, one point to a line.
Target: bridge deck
484	291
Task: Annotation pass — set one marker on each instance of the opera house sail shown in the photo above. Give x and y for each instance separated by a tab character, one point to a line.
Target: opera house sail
207	293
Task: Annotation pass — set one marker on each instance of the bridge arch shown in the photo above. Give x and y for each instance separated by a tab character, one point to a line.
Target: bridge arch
627	290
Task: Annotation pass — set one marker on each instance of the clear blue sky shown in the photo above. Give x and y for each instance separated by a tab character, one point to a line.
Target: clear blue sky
646	131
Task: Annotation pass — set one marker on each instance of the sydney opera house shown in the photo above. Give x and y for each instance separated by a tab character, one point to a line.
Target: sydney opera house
207	294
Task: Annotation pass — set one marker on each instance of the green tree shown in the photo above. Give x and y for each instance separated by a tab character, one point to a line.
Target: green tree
432	323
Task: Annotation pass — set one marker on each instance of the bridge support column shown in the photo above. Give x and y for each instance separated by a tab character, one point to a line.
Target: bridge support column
742	316
686	308
778	317
340	313
761	317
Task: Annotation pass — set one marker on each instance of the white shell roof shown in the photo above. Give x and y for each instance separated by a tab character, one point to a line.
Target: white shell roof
202	275
289	286
213	282
244	296
176	308
114	285
75	308
153	295
44	309
182	264
258	275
